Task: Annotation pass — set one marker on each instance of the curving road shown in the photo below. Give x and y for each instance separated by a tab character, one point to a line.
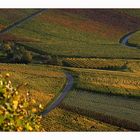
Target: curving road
62	95
69	77
125	38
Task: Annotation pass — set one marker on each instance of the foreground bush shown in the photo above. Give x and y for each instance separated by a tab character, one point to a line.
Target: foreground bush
16	111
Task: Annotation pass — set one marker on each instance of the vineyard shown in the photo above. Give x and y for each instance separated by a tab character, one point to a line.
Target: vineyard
106	64
71	40
84	44
110	82
64	120
110	109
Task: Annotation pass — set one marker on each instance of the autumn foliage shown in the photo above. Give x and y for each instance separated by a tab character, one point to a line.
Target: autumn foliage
17	112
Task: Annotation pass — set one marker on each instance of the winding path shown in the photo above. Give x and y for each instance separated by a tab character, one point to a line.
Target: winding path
69	77
124	39
62	95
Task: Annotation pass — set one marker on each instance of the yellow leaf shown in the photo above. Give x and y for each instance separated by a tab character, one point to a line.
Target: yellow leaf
20	117
19	128
28	127
40	106
34	110
7	75
15	104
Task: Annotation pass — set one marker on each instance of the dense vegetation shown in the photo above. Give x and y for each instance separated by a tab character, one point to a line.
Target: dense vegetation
16	113
15	54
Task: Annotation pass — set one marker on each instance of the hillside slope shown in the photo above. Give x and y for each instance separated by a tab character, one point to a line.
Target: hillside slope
84	33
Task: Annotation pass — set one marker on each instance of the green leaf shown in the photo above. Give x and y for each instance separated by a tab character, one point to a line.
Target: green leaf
1	119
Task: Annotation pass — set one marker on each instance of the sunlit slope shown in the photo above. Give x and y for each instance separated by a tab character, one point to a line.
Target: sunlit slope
85	33
44	83
108	82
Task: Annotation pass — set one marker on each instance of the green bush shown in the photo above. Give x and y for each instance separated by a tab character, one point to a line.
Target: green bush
17	112
20	55
27	57
16	53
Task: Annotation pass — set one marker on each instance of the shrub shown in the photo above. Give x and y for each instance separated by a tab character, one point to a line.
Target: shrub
16	53
26	57
21	55
17	112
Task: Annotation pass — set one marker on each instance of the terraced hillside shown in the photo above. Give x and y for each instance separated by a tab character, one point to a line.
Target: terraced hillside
86	44
105	64
111	82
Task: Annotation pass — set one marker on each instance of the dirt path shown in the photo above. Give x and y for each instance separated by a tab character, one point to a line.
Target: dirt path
62	95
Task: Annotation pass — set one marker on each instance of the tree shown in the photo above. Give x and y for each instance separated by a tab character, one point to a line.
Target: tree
15	53
7	49
21	55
